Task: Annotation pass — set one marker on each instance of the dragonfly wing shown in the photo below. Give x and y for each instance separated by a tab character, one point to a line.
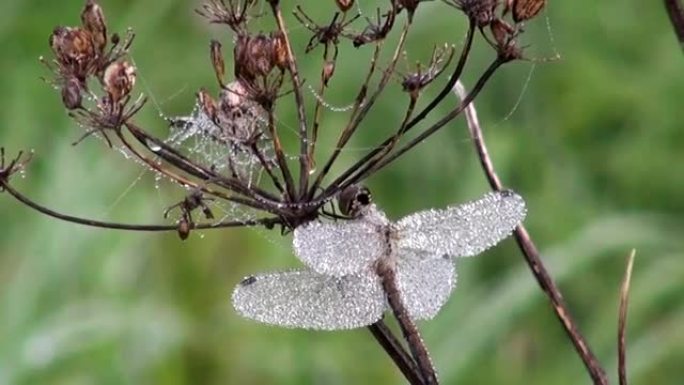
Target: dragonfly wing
339	248
306	299
463	230
425	283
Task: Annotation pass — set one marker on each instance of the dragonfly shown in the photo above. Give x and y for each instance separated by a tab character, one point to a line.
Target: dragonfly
359	268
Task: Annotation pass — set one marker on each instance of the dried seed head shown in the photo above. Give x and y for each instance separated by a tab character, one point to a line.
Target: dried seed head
353	199
501	32
479	11
233	13
344	5
118	80
93	21
74	51
416	81
71	93
217	61
526	9
376	30
207	103
253	56
504	36
279	50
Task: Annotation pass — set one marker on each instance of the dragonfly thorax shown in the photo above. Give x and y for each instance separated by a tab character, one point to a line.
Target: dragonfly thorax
353	199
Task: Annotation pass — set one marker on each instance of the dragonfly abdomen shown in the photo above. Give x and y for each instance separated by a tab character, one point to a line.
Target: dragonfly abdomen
385	270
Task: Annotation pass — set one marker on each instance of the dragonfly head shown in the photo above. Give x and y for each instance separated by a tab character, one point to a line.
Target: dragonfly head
353	199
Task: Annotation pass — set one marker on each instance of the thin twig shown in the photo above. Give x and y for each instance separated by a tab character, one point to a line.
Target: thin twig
531	254
267	166
280	157
344	135
363	169
299	100
361	166
455	76
267	222
328	65
622	320
183	181
358	115
396	352
178	160
675	11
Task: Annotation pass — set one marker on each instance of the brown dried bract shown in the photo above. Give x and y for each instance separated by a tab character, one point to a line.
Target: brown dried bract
93	21
479	11
256	56
71	94
74	51
344	5
119	79
526	9
217	62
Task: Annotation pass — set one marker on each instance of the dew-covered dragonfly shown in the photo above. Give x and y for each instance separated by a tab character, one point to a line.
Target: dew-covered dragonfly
342	288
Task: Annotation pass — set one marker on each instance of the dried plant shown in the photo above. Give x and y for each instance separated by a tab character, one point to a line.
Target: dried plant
219	152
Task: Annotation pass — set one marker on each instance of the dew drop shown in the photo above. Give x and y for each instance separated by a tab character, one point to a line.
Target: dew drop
157	178
154	147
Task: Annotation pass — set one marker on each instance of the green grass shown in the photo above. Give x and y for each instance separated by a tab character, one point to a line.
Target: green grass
594	145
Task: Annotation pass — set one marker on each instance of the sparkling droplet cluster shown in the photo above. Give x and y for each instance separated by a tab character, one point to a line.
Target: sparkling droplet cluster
306	299
463	230
338	249
223	148
425	283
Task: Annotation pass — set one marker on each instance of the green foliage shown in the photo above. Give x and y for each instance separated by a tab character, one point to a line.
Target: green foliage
594	144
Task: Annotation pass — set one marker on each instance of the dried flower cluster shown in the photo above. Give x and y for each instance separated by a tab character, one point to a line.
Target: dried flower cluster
235	134
81	54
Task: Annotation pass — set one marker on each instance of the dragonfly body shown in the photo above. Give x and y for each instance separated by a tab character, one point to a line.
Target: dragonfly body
341	289
360	267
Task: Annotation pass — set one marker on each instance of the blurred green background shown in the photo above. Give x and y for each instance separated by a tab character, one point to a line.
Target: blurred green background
594	142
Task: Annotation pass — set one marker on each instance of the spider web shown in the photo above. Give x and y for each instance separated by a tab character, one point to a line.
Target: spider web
222	148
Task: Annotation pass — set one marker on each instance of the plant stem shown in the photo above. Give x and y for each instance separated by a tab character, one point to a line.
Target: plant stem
531	253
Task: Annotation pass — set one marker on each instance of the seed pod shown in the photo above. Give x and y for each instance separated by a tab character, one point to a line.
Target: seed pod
253	56
501	31
207	103
93	21
344	5
74	50
328	71
119	79
71	93
217	61
526	9
279	49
